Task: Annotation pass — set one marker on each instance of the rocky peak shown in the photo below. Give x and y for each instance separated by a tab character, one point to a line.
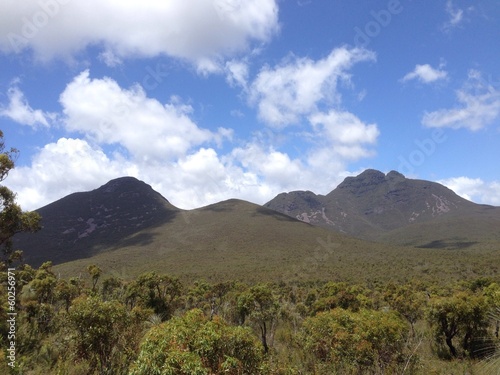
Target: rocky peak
122	184
366	181
394	175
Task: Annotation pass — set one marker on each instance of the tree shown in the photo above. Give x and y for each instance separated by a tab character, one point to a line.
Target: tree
341	294
260	305
463	317
112	288
95	273
159	292
43	284
13	219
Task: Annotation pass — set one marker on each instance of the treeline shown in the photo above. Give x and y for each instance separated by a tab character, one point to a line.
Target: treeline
156	325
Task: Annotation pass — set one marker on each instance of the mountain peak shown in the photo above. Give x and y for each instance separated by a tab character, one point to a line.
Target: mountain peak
395	175
122	183
362	183
373	203
86	221
369	179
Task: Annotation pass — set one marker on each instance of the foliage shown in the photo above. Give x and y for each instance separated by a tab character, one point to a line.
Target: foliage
94	272
154	324
459	320
406	300
100	331
355	340
158	292
193	345
343	295
261	307
12	218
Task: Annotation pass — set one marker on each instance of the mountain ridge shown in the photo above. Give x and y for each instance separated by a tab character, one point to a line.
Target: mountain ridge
126	213
373	204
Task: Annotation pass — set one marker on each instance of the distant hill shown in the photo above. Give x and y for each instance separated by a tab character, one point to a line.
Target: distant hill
395	209
127	228
81	224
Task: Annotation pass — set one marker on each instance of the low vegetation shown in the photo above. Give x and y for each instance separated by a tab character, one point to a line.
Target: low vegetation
154	324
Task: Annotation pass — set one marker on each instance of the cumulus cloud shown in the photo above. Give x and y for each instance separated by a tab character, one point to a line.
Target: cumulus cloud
20	111
475	189
115	131
274	167
345	134
425	74
203	34
345	128
61	168
479	106
294	88
253	172
148	129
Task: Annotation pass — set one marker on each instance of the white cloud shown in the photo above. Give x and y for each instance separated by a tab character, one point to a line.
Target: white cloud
123	132
294	88
426	74
21	112
475	189
455	16
206	32
237	73
342	136
274	167
61	168
253	172
479	106
344	128
200	178
150	130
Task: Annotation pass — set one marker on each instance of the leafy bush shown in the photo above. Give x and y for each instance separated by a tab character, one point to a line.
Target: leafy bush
195	345
348	340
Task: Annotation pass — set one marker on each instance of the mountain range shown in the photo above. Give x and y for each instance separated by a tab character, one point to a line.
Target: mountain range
394	209
374	221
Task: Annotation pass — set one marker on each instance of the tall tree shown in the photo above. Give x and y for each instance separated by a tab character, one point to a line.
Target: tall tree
12	218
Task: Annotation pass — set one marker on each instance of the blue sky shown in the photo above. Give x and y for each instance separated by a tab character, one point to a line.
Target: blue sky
247	99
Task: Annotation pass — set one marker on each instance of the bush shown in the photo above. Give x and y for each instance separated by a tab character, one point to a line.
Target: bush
348	341
195	345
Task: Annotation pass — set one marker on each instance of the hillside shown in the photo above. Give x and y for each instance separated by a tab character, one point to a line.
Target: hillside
82	224
394	209
127	228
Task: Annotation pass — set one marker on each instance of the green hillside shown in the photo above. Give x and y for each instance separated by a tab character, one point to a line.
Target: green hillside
127	228
239	240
